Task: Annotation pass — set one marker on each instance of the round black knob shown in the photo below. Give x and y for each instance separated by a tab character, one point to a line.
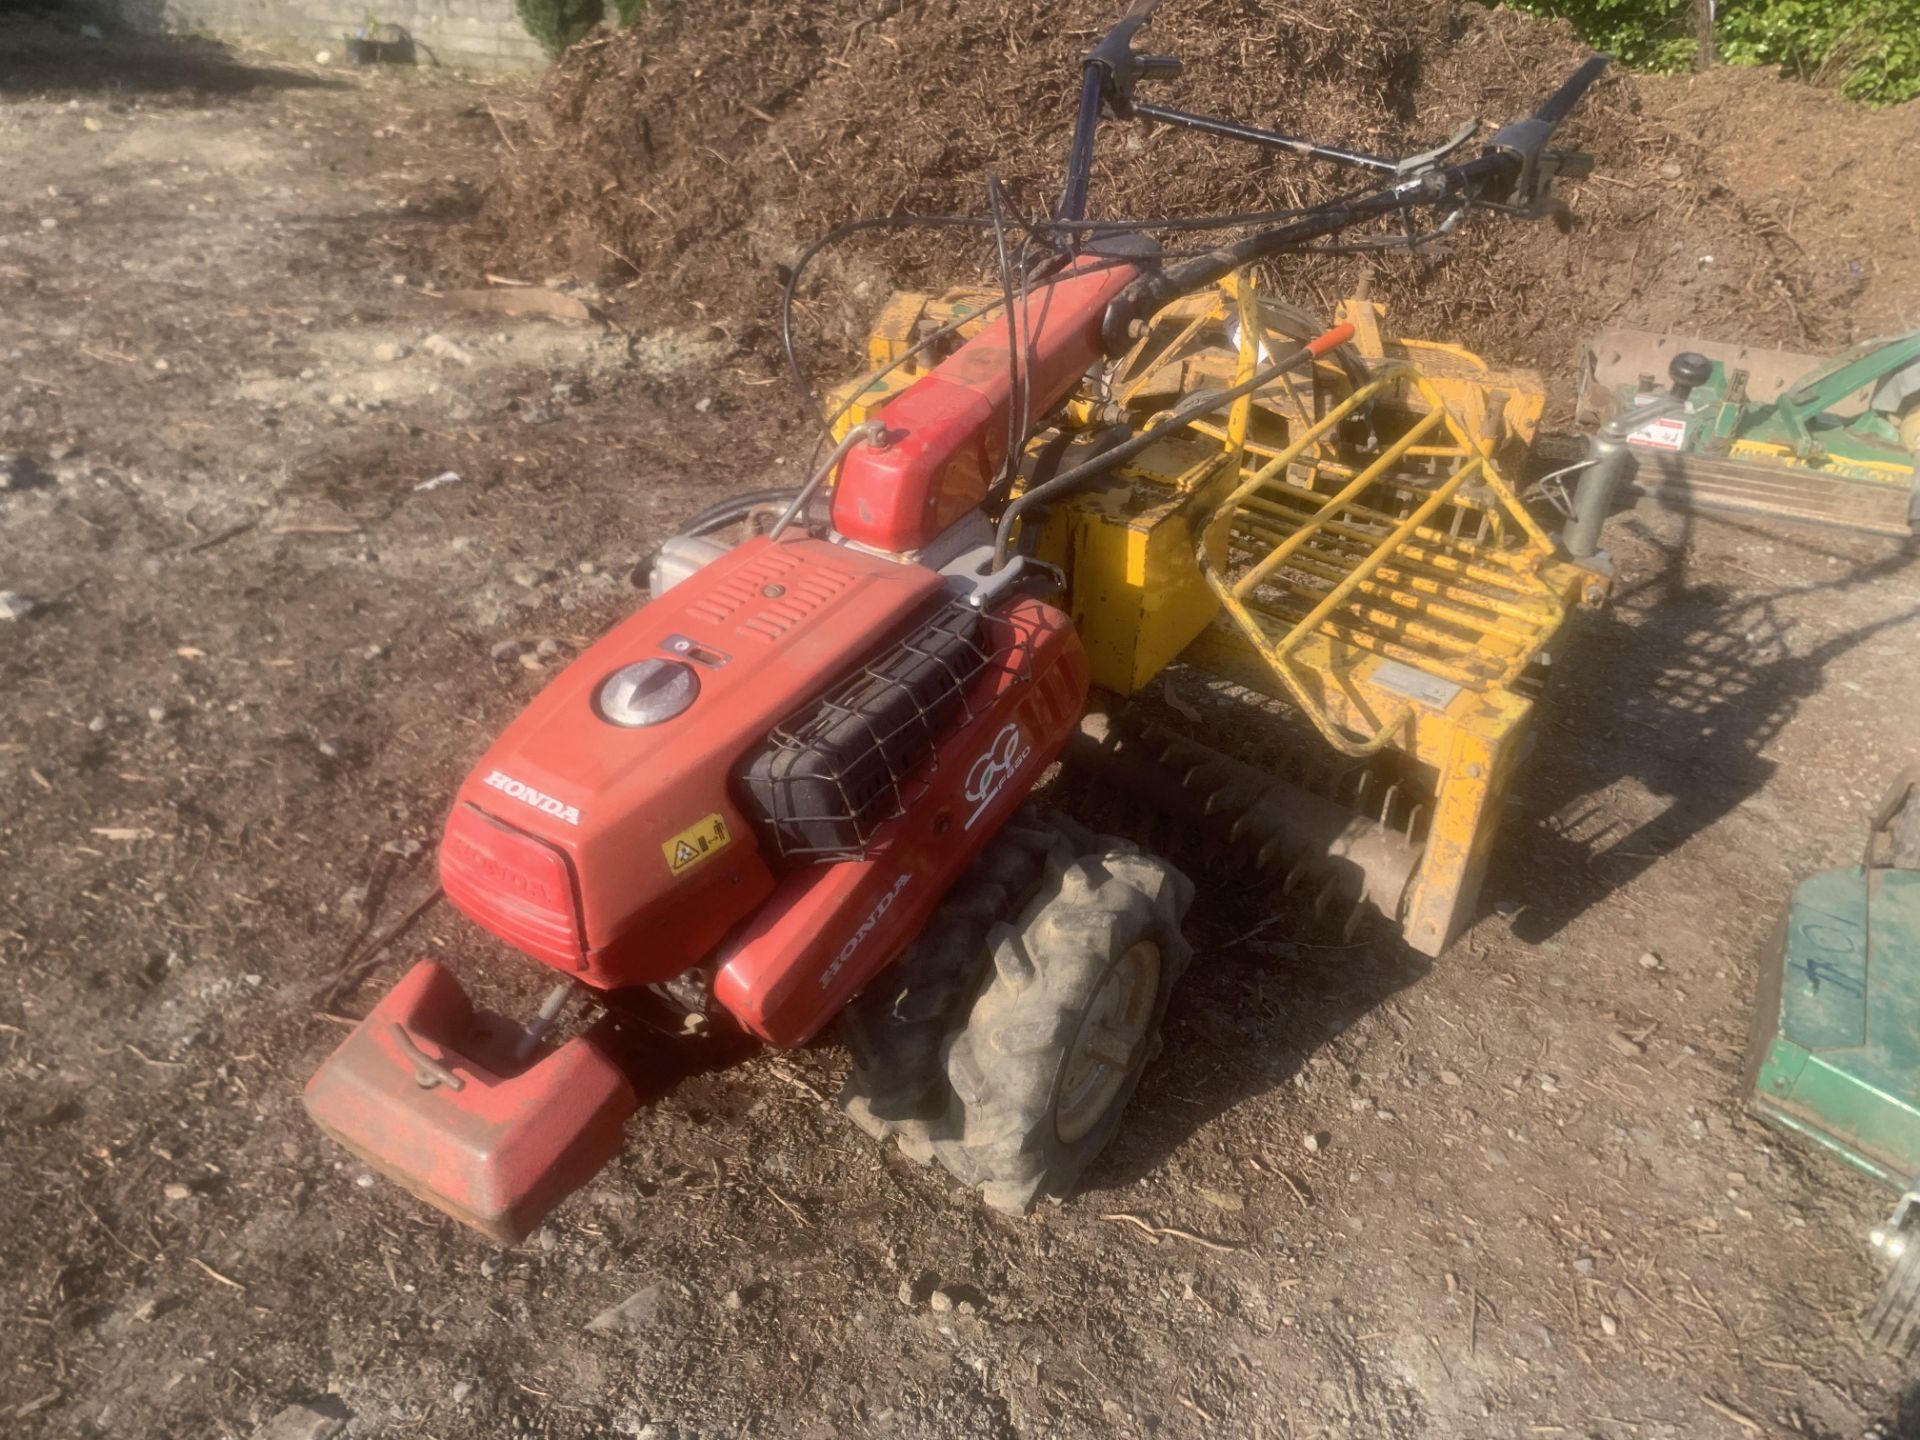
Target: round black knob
1690	368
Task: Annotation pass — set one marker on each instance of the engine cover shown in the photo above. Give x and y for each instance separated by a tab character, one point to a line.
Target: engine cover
616	852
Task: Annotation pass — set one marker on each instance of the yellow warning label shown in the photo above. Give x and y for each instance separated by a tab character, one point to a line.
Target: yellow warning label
696	843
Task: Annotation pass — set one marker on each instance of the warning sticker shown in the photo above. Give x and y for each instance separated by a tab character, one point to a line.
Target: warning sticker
696	843
1666	433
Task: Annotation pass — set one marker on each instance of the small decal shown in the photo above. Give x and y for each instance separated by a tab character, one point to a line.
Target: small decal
884	904
527	795
1430	690
695	843
1667	433
990	773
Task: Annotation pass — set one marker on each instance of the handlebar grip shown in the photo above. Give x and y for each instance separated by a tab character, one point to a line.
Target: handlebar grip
1559	105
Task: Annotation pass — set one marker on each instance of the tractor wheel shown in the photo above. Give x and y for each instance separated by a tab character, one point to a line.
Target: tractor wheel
1054	1046
896	1027
1894	1320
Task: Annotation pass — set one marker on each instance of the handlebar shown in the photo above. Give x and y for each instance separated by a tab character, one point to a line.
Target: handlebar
1111	71
1513	171
1557	106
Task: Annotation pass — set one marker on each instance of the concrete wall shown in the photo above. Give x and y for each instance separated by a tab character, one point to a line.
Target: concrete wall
472	34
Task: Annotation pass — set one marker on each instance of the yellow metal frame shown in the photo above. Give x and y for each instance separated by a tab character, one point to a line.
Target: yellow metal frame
1411	602
1890	473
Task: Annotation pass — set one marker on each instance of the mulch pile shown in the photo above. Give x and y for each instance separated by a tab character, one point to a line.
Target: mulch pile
689	160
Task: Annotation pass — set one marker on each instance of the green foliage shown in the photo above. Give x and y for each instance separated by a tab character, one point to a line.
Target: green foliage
628	11
1652	35
556	24
1869	48
1872	47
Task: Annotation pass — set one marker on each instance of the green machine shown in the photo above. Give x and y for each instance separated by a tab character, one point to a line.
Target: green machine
1769	432
1835	1055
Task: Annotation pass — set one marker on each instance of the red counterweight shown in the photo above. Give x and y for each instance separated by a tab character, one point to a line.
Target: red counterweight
430	1093
947	433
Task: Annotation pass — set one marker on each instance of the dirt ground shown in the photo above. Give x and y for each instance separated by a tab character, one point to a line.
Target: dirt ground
261	655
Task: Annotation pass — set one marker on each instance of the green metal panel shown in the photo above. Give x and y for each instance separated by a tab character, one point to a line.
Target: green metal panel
1837	1038
1801	419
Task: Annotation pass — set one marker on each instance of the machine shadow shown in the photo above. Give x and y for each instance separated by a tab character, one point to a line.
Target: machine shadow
1682	704
1904	1422
1246	1019
44	54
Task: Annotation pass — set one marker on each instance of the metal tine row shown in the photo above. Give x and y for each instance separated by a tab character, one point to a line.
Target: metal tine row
1221	794
1436	621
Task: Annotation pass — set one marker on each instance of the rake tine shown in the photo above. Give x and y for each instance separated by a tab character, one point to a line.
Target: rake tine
1355	916
1293	876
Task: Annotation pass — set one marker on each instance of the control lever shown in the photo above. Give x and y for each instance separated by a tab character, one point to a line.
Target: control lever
1123	68
1526	141
1612	453
1107	79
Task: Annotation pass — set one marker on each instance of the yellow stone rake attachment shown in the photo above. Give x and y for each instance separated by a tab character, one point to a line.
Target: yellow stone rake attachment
1397	597
1316	570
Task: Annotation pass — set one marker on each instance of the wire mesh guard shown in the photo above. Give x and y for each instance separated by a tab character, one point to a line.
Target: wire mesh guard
844	766
1415	551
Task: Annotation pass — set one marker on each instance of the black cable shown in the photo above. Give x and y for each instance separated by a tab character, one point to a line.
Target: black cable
1033	227
734	507
1014	321
715	517
1034	261
834	237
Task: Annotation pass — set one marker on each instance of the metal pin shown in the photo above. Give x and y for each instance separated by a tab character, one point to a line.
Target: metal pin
1218	800
1360	791
1274	849
542	1021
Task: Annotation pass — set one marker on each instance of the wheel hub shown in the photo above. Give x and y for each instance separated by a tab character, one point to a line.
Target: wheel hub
1108	1039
